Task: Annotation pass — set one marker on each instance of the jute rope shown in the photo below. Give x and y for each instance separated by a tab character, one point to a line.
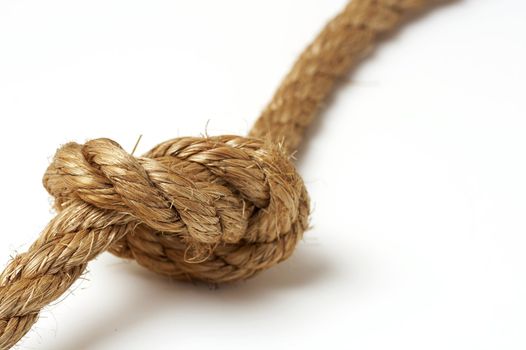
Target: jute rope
215	209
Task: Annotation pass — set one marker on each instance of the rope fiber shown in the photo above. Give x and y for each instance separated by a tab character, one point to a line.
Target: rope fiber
215	209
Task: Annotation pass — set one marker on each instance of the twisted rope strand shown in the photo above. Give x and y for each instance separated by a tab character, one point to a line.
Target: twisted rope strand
343	42
215	209
58	258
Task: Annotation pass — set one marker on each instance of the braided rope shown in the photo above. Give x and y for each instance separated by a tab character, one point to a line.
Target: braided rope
215	209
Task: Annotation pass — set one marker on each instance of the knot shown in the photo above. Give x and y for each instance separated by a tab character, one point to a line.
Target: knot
214	208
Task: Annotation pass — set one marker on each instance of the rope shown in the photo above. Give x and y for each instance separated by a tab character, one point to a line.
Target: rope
216	209
344	41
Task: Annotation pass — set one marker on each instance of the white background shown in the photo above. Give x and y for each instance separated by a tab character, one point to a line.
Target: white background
416	171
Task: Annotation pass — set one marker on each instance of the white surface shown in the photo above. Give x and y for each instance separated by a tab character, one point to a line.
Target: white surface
417	170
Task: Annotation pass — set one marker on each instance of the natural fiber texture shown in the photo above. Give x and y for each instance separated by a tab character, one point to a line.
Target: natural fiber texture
341	44
215	209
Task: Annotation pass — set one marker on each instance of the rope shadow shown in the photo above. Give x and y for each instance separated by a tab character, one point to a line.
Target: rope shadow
157	294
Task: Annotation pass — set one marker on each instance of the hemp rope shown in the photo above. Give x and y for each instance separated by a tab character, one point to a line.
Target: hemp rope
215	209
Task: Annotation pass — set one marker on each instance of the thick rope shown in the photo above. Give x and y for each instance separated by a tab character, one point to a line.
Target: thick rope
344	41
215	209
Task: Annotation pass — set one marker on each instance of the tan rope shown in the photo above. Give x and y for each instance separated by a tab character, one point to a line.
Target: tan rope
215	209
344	41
